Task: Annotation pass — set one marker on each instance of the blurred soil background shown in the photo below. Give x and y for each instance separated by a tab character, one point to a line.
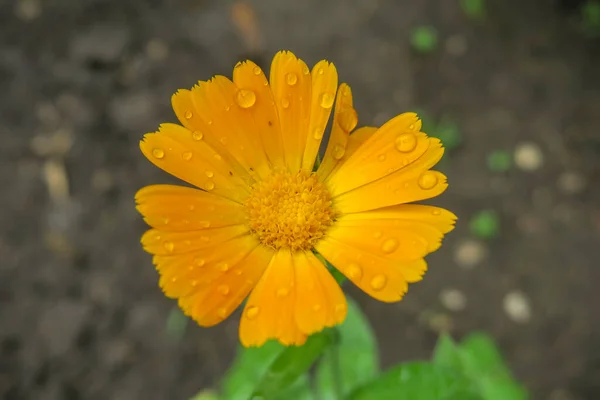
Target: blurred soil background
512	89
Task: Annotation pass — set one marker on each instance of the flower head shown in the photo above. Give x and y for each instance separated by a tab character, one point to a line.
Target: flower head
258	214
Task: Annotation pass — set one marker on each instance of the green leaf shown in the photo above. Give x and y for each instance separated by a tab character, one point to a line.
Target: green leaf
446	353
473	8
358	360
248	368
291	364
424	39
417	381
499	161
485	224
206	395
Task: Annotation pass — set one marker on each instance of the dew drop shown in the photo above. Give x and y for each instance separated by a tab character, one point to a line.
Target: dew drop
187	155
257	71
209	185
378	282
305	70
427	180
238	272
199	261
285	103
223	289
210	174
191	207
436	212
316	307
169	246
252	312
338	151
158	153
411	127
283	292
218	157
381	157
188	114
194	283
166	221
245	98
174	279
197	135
406	142
225	267
347	119
389	245
222	312
291	78
320	71
354	271
223	140
318	133
326	100
377	234
209	122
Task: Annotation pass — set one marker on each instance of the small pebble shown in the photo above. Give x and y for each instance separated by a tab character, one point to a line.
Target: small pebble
528	156
453	299
470	254
516	307
28	10
571	183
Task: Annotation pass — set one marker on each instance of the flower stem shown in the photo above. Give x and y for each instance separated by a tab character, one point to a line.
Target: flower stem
336	371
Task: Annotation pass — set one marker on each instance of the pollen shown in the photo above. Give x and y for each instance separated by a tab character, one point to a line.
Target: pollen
289	211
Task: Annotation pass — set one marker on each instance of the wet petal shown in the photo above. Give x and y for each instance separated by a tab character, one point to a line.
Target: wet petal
266	124
344	121
414	182
394	146
179	152
324	83
320	301
179	208
291	85
269	311
214	302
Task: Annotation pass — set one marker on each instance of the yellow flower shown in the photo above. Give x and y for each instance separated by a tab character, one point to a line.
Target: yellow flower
258	214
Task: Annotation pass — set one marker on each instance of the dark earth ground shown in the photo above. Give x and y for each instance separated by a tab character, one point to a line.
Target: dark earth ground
81	314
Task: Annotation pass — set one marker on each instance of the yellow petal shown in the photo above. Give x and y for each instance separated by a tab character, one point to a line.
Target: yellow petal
344	121
320	301
231	124
179	208
356	139
324	83
249	76
177	151
394	146
380	278
166	243
412	183
187	273
291	85
269	312
214	302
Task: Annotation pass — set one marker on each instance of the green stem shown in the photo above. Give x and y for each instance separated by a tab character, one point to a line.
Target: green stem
336	371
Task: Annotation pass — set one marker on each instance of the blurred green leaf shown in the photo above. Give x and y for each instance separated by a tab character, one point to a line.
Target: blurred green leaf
473	8
446	353
206	395
424	39
337	275
590	14
358	360
177	323
485	224
291	364
248	369
499	161
448	132
417	381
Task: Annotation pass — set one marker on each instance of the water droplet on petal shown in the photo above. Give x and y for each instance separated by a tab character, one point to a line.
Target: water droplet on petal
225	267
381	157
257	70
191	207
436	212
174	279
169	246
245	98
406	142
285	103
210	174
305	70
197	135
291	78
378	282
222	312
223	140
194	283
223	289
377	234
411	127
158	153
327	100
209	185
320	71
338	151
218	157
199	261
427	180
354	271
187	155
347	119
318	133
389	246
238	272
204	224
283	292
316	307
188	114
252	312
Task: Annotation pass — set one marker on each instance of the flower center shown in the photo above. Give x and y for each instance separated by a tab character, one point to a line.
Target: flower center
289	211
